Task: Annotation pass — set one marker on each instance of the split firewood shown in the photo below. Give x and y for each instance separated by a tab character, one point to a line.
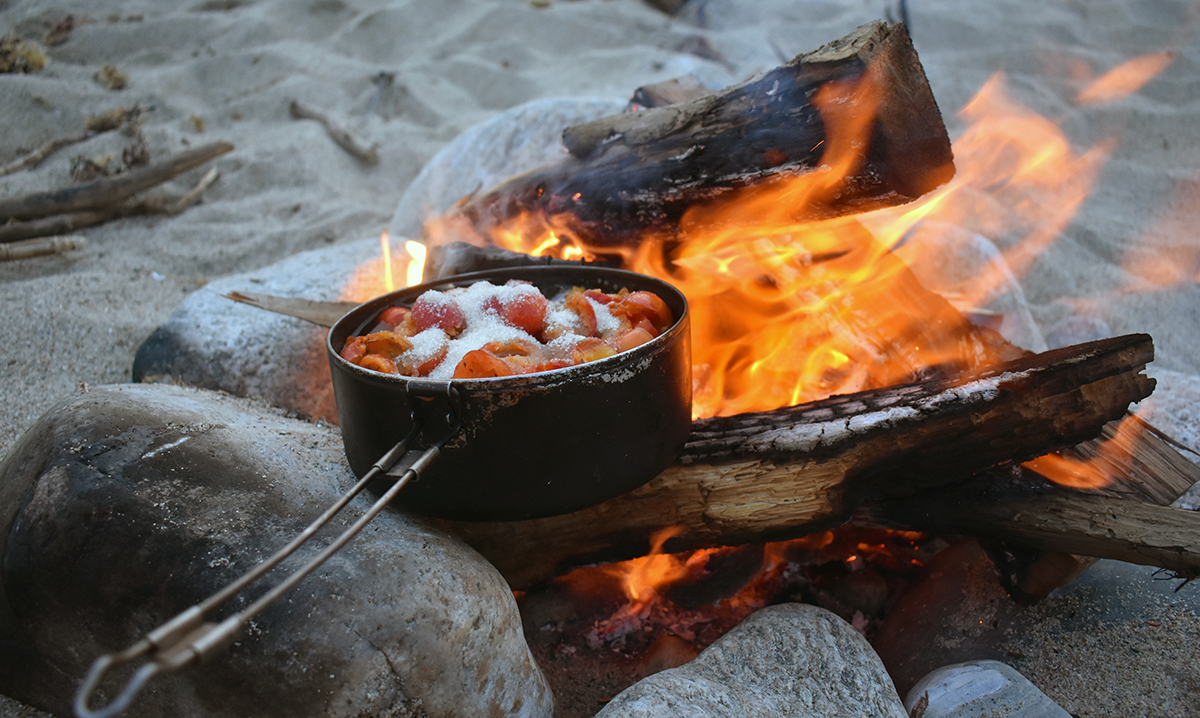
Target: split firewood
638	171
1017	509
362	149
1102	527
28	248
105	193
786	473
62	224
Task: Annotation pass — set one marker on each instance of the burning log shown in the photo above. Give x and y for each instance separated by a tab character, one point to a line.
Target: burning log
860	105
780	474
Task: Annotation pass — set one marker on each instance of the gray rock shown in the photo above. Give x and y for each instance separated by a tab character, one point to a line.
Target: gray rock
793	660
513	142
980	689
215	343
127	504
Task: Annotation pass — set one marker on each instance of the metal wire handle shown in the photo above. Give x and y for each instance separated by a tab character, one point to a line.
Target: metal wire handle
187	638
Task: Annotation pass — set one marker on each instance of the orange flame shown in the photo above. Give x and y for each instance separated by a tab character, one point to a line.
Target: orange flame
642	578
414	273
388	284
1113	459
786	311
377	277
1126	78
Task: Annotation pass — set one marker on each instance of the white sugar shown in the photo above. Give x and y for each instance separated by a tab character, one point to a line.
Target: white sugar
560	319
605	321
483	327
436	298
426	345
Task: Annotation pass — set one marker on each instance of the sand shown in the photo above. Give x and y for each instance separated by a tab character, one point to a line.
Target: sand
411	75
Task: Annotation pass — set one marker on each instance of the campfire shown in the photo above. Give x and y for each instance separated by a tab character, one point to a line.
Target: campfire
853	399
856	404
800	258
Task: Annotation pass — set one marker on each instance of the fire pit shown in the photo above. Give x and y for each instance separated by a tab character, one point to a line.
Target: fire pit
933	371
961	347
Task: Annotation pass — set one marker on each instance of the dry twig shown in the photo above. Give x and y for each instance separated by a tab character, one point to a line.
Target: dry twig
352	143
33	159
95	125
61	224
41	247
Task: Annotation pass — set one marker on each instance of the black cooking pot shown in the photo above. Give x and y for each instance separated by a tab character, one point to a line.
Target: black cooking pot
525	446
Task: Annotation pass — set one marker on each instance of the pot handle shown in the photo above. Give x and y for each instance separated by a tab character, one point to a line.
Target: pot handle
188	638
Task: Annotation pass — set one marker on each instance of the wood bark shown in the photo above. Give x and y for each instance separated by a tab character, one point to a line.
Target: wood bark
785	473
642	170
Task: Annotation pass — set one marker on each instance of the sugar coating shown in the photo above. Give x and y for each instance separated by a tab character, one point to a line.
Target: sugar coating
605	321
483	327
426	345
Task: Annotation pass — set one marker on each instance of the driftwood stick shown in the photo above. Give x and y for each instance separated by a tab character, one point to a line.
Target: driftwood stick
63	224
320	313
33	159
107	191
789	472
50	226
40	247
362	149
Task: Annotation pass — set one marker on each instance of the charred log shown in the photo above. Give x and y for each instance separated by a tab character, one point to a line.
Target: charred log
641	171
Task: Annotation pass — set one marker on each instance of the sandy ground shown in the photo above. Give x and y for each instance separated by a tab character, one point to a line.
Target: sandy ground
410	75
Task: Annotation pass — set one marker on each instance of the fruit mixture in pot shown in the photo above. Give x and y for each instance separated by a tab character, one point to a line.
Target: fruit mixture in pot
485	330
